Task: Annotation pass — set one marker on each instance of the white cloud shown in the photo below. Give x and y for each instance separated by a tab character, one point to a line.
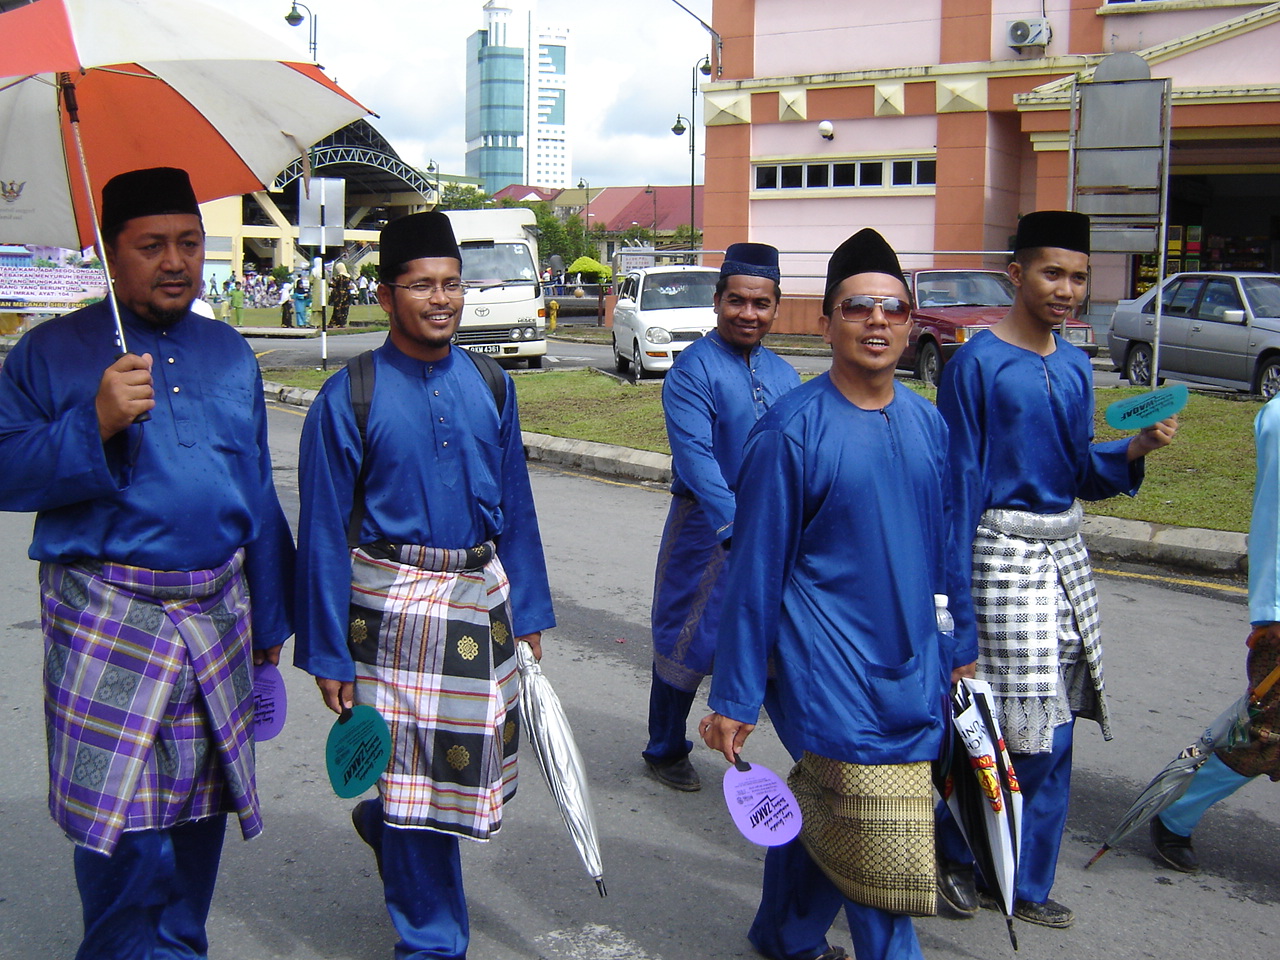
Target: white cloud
405	60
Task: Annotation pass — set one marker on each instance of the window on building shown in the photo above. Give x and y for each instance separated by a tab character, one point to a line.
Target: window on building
846	174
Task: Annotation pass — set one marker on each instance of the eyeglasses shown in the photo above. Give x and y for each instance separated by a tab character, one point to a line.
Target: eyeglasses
425	289
858	309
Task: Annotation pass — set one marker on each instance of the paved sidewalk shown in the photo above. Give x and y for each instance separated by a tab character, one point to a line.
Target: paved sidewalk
1188	548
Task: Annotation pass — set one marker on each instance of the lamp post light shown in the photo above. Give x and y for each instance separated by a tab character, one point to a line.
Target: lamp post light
584	184
294	18
654	195
433	178
703	66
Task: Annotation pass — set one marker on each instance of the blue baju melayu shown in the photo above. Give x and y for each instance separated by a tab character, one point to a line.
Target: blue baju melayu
843	537
442	470
128	529
712	397
1022	442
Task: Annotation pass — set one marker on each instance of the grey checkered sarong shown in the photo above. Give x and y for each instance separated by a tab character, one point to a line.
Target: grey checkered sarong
1038	630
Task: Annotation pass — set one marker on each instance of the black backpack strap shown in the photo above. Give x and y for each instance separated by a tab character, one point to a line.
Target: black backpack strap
493	375
361	373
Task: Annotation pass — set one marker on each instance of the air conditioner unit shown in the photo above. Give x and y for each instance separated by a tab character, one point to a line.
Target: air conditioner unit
1032	32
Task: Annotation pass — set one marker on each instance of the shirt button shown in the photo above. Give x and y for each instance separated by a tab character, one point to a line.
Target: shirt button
445	444
437	393
177	389
442	419
170	360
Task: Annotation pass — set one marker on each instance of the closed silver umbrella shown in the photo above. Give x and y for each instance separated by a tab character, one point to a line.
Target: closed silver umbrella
559	760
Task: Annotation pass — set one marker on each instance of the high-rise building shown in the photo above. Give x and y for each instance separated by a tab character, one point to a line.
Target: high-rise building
516	100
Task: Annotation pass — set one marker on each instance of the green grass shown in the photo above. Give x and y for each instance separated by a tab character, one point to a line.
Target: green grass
270	317
1203	479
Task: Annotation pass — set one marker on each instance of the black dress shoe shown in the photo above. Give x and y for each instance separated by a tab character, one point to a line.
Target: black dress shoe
677	774
1048	914
1175	850
957	890
358	814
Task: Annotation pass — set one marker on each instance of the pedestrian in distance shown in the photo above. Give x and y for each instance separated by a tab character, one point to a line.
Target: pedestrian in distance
842	539
716	390
1230	768
1018	399
237	303
415	500
153	539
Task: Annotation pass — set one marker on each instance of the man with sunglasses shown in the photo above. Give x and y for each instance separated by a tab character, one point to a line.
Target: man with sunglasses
842	540
714	393
1019	401
420	568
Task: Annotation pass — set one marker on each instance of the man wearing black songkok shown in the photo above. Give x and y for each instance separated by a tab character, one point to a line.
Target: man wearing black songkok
152	538
420	569
1018	400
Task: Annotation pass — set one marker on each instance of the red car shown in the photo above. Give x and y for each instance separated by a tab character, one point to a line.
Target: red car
952	306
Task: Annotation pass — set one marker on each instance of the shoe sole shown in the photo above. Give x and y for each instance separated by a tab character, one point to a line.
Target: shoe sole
1040	922
1161	858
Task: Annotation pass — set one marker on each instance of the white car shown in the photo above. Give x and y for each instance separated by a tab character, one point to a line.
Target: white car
660	311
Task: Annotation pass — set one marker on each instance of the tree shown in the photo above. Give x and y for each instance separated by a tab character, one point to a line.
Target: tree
592	270
681	236
369	269
280	274
458	196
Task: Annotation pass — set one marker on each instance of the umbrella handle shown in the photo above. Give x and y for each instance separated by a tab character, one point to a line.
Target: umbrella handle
1260	691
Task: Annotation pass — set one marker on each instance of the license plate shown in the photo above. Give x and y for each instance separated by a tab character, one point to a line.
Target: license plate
486	347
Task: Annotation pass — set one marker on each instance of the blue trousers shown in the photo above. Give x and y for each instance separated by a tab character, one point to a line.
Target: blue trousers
668	716
1045	779
1214	781
422	886
799	904
150	899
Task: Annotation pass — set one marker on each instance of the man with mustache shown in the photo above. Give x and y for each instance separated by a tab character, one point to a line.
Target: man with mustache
152	539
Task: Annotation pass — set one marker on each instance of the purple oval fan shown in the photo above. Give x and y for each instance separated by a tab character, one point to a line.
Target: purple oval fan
763	807
269	702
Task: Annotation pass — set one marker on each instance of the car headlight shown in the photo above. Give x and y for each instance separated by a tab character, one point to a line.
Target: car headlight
515	333
528	333
657	335
964	334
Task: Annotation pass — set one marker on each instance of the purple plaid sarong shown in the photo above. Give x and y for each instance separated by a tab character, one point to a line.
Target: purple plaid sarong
148	698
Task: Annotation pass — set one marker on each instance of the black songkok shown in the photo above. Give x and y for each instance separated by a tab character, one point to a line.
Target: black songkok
865	252
146	193
418	236
751	260
1064	229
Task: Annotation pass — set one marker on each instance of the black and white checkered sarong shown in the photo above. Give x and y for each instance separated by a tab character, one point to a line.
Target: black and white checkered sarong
1038	629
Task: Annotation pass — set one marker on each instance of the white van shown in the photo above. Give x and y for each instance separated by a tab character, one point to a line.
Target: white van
503	314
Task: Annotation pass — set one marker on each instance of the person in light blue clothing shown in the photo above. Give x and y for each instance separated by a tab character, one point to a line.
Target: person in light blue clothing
1230	769
716	390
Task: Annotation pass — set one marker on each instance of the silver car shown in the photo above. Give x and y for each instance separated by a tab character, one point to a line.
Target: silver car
1221	329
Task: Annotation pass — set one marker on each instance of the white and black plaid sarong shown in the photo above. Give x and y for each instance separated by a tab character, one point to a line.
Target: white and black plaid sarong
1038	629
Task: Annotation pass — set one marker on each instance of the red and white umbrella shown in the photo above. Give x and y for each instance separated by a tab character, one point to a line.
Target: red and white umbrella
158	83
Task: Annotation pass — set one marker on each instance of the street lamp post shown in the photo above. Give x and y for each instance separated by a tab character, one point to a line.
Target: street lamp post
703	66
584	184
654	194
294	18
433	178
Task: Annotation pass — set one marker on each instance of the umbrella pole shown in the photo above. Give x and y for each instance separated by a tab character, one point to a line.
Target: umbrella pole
73	112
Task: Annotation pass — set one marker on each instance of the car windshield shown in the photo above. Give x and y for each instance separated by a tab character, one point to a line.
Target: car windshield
963	288
486	262
666	291
1264	295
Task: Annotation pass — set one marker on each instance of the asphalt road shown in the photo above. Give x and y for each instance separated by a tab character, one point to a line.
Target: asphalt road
682	883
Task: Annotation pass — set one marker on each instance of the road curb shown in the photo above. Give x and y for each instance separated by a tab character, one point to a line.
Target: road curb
1216	552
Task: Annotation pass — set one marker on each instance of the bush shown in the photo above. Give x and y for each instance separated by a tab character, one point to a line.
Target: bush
592	270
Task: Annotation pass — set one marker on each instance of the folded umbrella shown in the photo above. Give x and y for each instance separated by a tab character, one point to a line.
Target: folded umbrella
1229	729
559	760
982	793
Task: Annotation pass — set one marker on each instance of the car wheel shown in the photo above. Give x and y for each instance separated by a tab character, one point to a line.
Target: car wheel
1269	378
620	363
1137	365
535	363
637	362
929	363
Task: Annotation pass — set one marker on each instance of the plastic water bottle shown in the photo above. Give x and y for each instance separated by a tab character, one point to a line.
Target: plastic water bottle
946	624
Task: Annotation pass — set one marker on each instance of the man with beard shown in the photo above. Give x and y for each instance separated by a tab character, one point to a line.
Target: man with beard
420	568
716	390
152	540
1018	399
